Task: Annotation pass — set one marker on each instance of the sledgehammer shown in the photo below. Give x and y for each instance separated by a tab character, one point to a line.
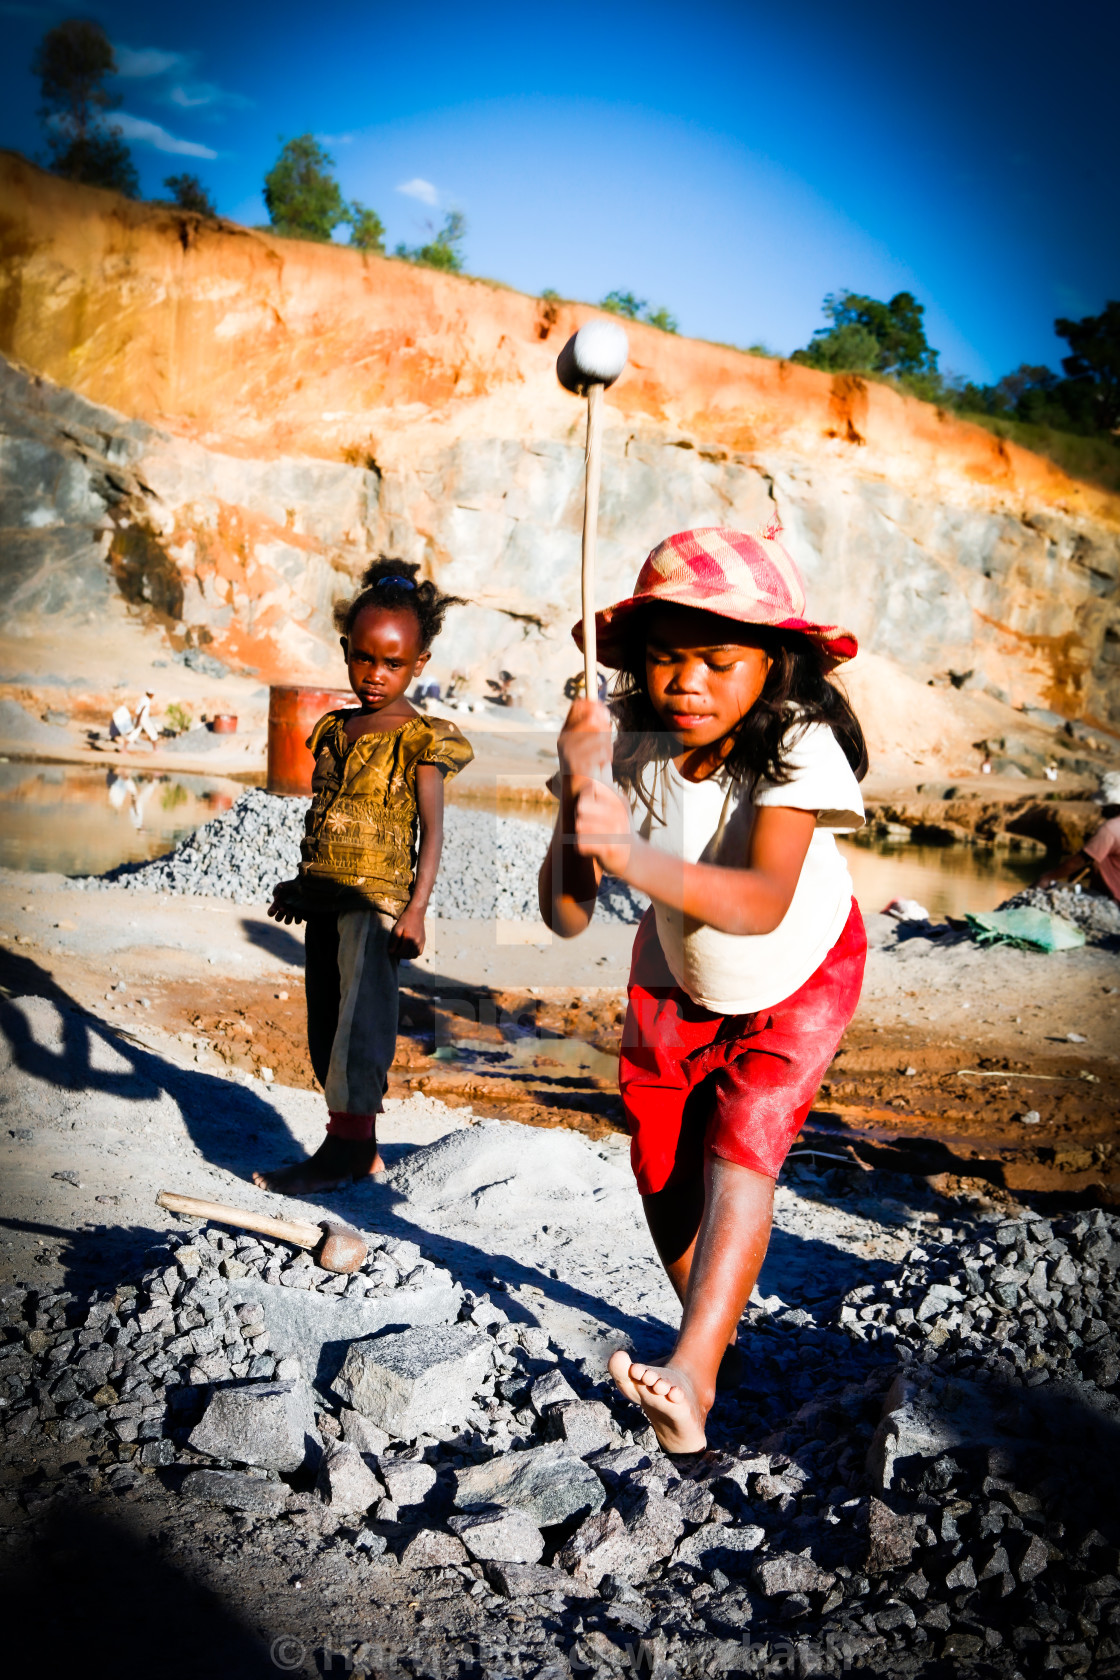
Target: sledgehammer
591	360
337	1248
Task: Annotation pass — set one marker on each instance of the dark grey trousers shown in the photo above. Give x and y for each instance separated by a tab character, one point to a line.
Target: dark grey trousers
352	1001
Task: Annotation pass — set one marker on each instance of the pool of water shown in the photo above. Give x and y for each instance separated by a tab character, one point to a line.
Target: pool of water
73	820
947	880
83	820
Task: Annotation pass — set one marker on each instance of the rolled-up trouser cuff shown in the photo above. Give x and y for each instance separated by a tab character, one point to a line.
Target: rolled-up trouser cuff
356	1128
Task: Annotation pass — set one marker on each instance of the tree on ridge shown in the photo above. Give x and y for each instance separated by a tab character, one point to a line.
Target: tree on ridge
305	201
188	193
633	308
443	249
72	62
868	336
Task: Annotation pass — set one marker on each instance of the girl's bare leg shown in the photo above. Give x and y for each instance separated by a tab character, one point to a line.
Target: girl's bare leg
713	1271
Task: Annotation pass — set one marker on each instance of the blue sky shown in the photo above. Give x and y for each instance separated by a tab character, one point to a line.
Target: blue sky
733	162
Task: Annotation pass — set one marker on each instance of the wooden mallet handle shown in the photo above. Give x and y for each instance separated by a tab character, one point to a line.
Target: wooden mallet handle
591	360
286	1230
590	532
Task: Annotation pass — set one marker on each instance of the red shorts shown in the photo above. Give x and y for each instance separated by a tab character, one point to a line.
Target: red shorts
736	1086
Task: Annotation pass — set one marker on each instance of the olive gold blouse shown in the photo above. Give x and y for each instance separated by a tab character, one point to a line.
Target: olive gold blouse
360	841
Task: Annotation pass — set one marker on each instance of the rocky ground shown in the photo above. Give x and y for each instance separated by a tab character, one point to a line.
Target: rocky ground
245	1464
912	1475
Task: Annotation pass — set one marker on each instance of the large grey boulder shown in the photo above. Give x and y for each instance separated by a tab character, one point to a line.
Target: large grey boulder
789	1572
417	1381
530	1580
891	1536
549	1482
270	1424
603	1545
720	1546
586	1426
345	1481
550	1390
654	1521
318	1329
237	1492
408	1479
498	1534
925	1416
431	1548
365	1435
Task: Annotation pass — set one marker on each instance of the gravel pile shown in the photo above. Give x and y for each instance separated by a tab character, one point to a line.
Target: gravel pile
489	866
947	1491
1031	1301
129	1361
239	854
1095	913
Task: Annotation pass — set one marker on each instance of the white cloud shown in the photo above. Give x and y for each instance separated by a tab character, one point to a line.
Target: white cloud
421	189
141	62
190	96
151	134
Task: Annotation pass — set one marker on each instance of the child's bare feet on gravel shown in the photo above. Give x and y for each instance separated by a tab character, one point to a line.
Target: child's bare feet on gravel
667	1397
336	1163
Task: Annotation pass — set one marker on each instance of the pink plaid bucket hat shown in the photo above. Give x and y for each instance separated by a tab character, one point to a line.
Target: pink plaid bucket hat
751	579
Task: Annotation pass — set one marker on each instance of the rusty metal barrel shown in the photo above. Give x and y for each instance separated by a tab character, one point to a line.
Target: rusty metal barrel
293	712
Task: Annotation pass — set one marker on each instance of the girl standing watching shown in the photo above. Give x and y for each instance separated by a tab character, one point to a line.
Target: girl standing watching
736	761
374	835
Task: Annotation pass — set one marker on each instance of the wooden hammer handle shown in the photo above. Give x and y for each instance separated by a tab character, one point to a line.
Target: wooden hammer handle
287	1230
590	532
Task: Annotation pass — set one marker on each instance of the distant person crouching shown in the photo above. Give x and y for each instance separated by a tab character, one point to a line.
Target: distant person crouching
1100	856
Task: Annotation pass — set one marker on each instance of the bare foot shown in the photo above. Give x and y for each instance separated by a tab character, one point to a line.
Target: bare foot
336	1163
668	1399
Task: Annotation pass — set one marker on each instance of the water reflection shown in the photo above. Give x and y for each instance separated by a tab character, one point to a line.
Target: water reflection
947	880
74	820
79	820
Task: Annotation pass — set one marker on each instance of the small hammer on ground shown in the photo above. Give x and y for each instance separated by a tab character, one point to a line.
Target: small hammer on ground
335	1247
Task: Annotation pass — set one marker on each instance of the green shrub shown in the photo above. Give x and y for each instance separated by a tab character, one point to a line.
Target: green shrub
177	718
442	251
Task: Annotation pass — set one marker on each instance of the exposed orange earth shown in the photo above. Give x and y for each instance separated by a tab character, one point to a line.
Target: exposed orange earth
254	343
302	406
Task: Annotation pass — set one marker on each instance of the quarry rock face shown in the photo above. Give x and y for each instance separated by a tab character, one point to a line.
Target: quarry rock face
217	429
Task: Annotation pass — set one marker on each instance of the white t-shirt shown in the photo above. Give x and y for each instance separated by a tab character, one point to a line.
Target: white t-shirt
710	822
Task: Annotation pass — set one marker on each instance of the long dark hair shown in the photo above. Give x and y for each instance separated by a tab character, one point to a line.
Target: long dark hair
798	690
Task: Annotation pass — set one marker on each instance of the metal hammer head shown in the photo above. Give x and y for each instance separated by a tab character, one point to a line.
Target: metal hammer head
342	1249
595	355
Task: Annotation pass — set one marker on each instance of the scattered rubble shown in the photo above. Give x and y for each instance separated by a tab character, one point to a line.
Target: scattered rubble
947	1489
1096	914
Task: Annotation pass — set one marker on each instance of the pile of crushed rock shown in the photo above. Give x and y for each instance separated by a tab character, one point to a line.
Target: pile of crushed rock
1095	913
948	1490
488	871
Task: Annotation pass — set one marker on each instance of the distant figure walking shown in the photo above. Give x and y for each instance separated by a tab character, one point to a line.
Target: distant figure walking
363	886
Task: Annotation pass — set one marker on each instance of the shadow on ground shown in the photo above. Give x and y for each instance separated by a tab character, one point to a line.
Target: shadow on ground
92	1598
